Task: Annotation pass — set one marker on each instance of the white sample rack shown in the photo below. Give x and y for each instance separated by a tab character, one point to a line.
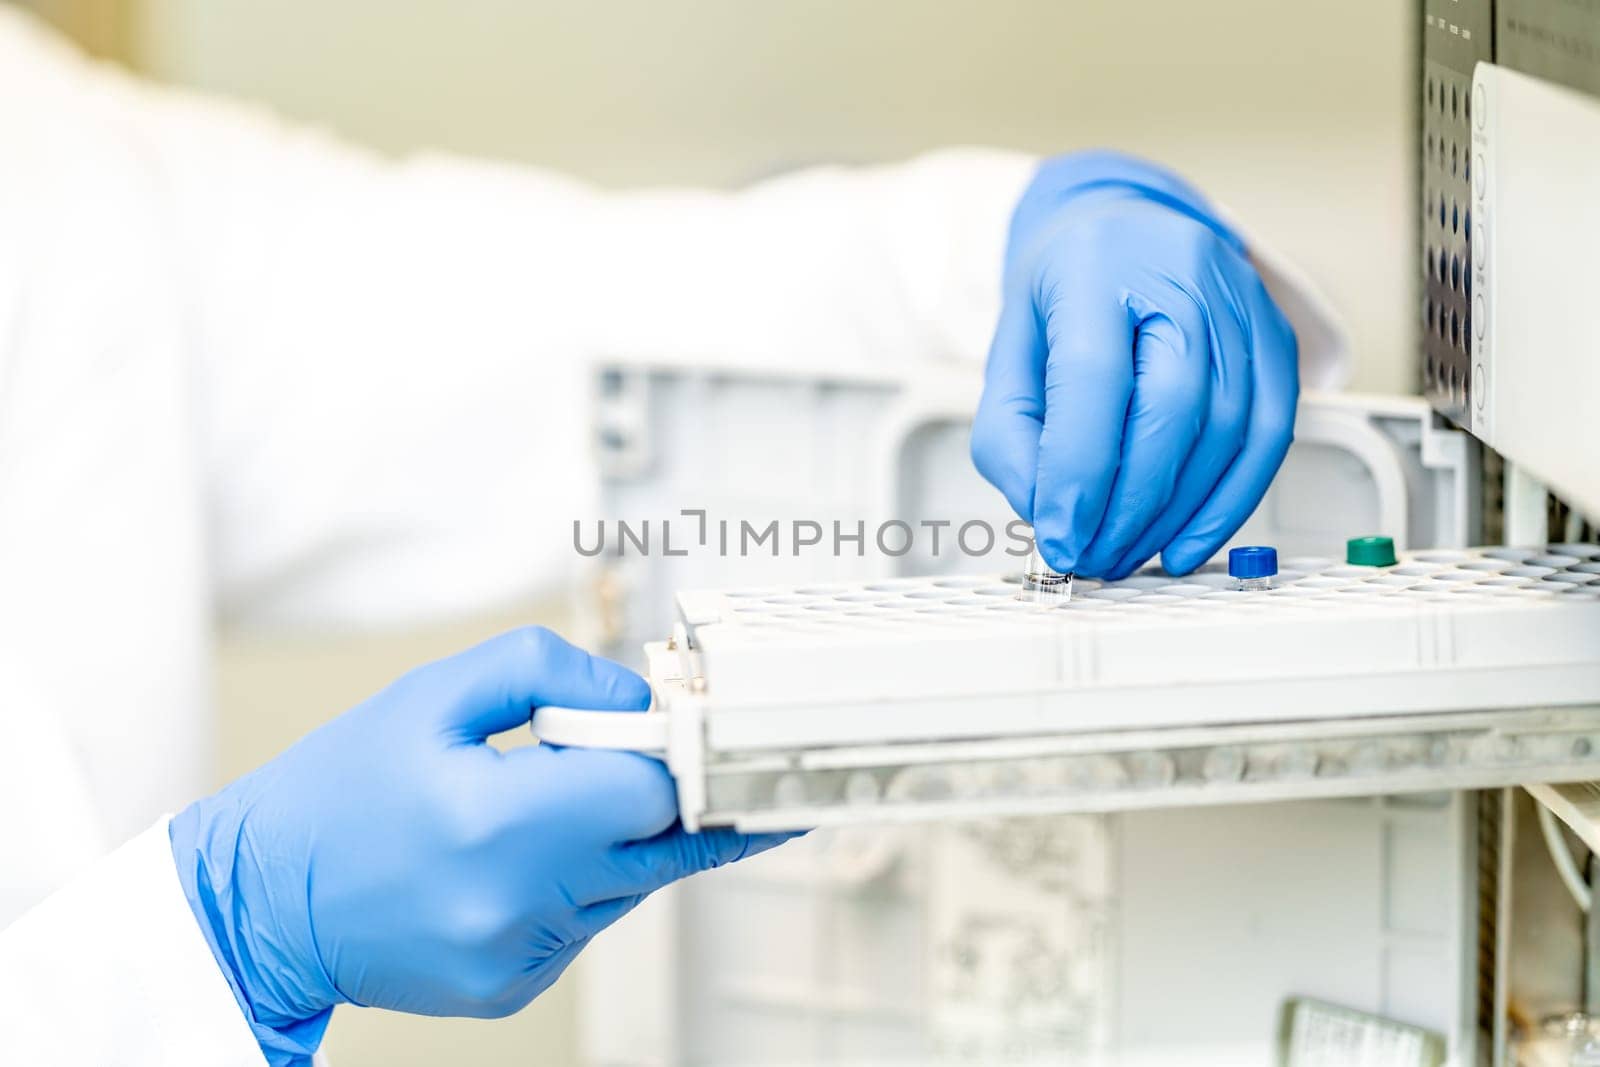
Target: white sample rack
799	706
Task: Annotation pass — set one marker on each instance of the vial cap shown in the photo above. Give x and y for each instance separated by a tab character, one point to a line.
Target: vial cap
1370	552
1256	561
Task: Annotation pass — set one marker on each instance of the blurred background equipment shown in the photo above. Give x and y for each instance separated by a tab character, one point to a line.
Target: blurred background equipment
1510	163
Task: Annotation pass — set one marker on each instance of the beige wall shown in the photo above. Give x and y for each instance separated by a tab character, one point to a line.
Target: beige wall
1301	127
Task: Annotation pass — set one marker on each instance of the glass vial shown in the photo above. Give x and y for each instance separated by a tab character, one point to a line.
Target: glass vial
1043	586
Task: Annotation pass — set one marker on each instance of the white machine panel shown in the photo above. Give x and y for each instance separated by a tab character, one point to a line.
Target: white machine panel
1076	938
1536	330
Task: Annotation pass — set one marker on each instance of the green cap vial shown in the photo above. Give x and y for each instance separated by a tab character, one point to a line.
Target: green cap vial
1370	552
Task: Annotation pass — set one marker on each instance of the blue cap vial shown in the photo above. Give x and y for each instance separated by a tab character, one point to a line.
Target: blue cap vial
1254	566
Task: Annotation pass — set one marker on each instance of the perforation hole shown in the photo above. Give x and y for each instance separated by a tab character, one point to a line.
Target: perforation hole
1554	559
1514	555
1113	592
1142	582
1442	556
1574	548
1185	589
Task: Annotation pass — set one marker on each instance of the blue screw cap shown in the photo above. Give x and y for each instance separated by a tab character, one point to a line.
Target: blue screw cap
1256	561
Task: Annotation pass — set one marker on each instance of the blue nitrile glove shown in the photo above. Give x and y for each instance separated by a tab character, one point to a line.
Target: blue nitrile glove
392	858
1141	388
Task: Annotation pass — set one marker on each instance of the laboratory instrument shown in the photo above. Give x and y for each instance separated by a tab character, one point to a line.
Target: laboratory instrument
1443	909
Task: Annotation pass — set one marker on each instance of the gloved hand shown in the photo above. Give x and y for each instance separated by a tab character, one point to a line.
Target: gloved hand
1140	392
392	858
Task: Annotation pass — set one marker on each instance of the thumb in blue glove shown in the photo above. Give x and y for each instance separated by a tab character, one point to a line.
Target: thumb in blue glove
1141	388
393	859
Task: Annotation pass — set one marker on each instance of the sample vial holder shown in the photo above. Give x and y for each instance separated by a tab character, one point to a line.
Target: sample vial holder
791	707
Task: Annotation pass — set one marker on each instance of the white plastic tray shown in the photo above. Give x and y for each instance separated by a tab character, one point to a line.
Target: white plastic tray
917	698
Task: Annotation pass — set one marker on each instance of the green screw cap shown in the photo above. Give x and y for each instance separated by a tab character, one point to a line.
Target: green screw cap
1370	551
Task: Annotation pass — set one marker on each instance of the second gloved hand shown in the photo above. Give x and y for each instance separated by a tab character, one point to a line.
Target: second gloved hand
393	859
1141	389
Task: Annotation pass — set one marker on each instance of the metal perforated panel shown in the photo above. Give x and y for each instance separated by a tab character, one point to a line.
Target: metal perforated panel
1456	35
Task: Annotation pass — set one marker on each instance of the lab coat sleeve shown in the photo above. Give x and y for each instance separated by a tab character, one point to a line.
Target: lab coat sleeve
112	969
392	358
396	358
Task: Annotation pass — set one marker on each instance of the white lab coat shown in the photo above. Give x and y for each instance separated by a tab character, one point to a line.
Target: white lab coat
247	371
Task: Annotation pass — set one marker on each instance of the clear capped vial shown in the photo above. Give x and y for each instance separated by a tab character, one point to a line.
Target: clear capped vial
1253	567
1043	586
